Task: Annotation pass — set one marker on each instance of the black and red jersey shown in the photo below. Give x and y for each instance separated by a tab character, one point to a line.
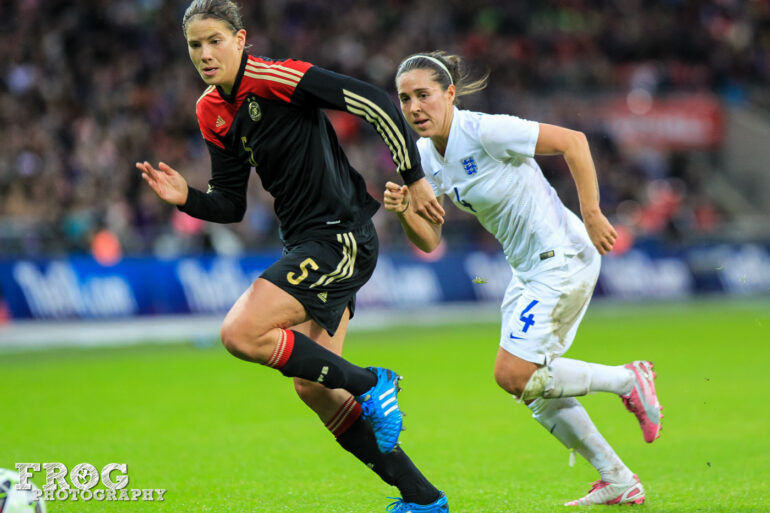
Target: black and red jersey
272	121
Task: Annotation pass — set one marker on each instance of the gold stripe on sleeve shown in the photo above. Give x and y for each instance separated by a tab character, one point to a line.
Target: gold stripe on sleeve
264	76
284	69
273	72
383	123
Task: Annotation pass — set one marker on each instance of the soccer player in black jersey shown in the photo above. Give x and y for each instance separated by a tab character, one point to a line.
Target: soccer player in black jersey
266	114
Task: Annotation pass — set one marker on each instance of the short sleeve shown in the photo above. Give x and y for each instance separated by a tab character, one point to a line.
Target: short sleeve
431	168
505	136
436	189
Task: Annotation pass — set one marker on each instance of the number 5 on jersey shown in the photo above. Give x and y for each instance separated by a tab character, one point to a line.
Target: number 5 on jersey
296	280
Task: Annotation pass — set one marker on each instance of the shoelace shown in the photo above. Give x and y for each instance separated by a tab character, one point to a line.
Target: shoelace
366	408
397	506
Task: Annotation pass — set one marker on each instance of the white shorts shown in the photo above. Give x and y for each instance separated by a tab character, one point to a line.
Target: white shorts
541	314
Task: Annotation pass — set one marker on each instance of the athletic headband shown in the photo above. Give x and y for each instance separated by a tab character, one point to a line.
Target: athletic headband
433	60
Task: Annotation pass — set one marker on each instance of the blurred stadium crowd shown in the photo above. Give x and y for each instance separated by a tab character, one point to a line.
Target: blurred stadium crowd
91	86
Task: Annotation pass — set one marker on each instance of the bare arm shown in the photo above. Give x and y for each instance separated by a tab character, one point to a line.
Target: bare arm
424	234
574	146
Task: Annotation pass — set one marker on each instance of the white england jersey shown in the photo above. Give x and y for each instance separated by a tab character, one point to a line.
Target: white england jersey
489	171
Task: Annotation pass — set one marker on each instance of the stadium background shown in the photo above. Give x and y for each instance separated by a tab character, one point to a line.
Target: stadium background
673	95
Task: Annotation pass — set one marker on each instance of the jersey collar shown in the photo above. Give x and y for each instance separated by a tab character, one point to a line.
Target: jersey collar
450	140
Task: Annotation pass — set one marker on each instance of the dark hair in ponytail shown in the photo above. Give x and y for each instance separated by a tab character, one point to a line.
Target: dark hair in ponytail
447	70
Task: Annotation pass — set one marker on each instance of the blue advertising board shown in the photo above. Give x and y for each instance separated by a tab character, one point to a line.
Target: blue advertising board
81	288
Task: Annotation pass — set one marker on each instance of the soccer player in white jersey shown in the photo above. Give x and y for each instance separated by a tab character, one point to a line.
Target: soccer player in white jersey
485	164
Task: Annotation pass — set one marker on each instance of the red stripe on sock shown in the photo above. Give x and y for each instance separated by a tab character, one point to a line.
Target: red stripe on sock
276	351
287	350
336	419
349	420
344	417
282	350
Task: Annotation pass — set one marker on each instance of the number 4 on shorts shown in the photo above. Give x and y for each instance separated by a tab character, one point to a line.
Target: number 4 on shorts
528	320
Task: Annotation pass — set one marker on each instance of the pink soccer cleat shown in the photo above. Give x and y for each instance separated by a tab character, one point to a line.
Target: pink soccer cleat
642	401
602	492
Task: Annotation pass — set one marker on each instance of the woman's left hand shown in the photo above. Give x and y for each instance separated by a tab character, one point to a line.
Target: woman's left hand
600	230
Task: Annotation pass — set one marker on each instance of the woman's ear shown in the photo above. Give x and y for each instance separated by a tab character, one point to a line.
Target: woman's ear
451	91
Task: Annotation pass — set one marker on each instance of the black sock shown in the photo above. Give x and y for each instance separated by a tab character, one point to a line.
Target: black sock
313	362
395	468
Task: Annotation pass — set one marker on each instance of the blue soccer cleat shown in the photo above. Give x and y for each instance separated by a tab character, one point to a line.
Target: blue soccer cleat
399	506
379	406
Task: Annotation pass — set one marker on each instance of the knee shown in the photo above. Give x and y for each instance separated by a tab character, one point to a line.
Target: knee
512	381
231	339
240	343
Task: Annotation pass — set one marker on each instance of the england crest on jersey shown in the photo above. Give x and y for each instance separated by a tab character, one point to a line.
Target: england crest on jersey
469	164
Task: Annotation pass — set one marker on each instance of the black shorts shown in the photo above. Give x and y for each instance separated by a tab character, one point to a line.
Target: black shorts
325	274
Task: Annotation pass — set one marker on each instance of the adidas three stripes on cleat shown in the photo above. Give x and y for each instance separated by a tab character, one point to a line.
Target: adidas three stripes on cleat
379	406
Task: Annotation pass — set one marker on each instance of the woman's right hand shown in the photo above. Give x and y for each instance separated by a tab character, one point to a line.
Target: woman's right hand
396	197
167	183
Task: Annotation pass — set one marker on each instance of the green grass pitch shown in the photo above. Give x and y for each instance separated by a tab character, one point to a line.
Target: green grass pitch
223	435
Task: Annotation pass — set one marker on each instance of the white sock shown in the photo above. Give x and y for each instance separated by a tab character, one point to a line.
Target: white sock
568	421
569	378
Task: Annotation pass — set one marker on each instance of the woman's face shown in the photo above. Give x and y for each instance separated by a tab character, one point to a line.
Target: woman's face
427	108
215	50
